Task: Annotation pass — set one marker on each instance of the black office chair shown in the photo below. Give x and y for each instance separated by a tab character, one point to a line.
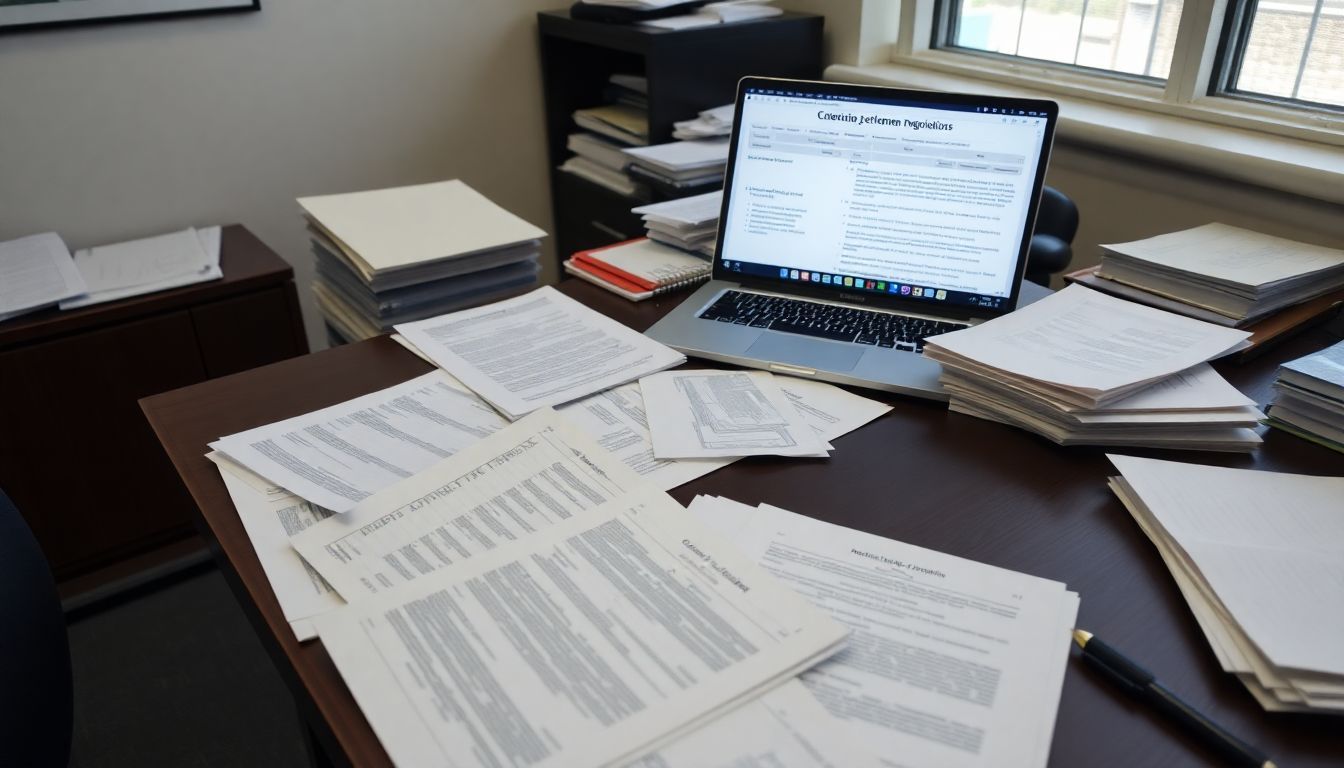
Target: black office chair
1051	247
36	695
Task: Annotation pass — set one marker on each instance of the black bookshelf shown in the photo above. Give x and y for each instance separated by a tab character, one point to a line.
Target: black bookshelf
688	71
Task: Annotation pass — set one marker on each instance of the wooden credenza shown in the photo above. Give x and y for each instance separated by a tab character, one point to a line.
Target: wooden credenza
76	454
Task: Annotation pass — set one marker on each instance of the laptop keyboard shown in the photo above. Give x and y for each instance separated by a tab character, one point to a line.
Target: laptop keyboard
825	321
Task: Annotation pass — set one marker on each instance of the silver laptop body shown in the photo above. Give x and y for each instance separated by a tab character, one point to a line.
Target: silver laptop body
903	202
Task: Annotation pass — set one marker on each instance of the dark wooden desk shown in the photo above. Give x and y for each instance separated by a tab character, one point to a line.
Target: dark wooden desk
920	474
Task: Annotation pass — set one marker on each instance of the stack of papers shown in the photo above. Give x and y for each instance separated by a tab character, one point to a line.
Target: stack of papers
1259	556
1083	368
601	161
689	223
36	272
679	166
717	13
397	255
951	662
1235	274
622	122
1309	397
717	121
146	266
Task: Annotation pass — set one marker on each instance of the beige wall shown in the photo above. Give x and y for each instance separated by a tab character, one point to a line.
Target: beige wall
114	132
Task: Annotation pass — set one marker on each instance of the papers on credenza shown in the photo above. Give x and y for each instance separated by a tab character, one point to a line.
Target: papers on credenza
951	662
336	456
703	414
536	350
505	487
1259	557
144	266
36	272
590	642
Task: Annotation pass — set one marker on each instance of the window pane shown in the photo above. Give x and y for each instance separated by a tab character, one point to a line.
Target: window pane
1131	36
1295	50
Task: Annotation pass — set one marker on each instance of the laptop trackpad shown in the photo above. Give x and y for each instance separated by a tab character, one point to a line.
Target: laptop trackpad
802	351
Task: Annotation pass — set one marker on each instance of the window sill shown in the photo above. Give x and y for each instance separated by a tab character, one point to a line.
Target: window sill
1302	167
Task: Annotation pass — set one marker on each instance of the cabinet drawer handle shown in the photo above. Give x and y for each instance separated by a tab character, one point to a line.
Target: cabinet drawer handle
616	233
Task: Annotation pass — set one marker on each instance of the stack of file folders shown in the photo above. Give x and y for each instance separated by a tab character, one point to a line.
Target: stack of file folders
1259	557
1309	398
681	167
602	162
688	223
397	255
1083	368
1220	274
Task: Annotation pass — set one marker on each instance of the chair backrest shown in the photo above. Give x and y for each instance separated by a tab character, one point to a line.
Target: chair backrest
36	697
1058	215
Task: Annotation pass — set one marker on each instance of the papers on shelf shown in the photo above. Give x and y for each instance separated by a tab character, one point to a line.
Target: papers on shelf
144	266
716	13
951	662
523	478
689	223
622	122
270	516
537	350
36	272
710	122
704	414
588	643
1259	557
337	456
683	157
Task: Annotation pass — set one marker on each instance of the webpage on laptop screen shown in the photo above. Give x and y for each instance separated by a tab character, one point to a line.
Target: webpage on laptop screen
922	201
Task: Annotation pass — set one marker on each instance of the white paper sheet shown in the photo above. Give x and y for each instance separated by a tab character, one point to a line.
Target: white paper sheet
36	272
616	419
529	475
539	349
1232	254
337	456
683	155
695	210
1086	341
270	519
952	662
702	414
587	643
145	266
785	728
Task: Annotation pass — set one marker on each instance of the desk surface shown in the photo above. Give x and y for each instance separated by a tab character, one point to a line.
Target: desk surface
919	474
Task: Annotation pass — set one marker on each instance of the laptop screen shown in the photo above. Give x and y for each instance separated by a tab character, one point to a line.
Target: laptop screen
913	197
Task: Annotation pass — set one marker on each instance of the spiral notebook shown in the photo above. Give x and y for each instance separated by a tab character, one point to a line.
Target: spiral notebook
638	269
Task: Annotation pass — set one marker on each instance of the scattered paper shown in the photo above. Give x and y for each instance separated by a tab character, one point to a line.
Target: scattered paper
148	265
337	456
36	272
537	350
704	414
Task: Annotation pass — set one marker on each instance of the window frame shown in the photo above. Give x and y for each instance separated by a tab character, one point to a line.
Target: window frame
1197	64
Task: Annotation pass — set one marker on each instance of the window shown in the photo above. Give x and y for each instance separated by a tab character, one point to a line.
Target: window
1288	51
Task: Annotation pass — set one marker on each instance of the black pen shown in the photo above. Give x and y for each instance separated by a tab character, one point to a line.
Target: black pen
1143	684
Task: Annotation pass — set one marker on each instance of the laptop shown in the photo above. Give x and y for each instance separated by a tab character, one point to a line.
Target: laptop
859	220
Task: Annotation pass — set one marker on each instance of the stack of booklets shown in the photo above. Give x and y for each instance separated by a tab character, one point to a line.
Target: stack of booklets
1221	274
396	255
688	223
638	269
601	161
681	167
708	124
1259	557
1083	368
1309	397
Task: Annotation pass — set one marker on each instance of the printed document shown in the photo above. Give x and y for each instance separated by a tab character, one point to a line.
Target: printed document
523	478
702	414
1086	343
952	662
36	272
616	418
1232	255
270	519
539	349
590	643
144	266
337	456
692	211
